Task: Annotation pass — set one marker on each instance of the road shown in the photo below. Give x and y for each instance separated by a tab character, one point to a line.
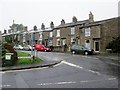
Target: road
75	71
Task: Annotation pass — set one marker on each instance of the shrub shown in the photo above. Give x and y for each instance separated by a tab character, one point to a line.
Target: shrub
6	48
114	45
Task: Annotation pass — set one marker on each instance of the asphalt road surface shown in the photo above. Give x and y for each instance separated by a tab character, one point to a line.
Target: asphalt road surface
75	71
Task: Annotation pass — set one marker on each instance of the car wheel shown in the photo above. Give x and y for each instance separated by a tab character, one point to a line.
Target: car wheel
86	53
73	52
45	50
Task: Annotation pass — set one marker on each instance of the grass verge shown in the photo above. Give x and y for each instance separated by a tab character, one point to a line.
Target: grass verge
22	54
26	61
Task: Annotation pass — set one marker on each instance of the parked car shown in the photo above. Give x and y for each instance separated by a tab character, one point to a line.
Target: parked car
18	47
81	49
41	47
28	48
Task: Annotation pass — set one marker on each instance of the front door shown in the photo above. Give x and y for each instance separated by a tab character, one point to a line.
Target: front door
46	42
96	46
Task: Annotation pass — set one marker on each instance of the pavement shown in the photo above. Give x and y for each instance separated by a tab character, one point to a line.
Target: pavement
109	57
49	63
44	63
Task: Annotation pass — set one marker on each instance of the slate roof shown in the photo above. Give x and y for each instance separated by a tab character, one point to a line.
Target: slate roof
98	22
72	24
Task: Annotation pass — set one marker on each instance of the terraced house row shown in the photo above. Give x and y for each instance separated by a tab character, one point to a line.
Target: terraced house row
89	33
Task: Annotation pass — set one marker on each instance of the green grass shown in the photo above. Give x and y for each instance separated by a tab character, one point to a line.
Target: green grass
22	54
25	61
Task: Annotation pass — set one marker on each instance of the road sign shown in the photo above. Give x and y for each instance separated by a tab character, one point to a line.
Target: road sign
31	40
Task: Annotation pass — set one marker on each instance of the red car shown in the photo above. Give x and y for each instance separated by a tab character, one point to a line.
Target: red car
41	47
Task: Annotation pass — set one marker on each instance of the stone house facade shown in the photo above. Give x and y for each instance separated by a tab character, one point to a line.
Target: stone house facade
89	33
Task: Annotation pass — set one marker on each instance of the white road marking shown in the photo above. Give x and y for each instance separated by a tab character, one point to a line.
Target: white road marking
113	64
2	72
79	67
111	78
5	85
57	64
89	57
73	82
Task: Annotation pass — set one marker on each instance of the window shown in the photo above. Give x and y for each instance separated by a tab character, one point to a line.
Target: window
72	30
18	37
40	34
87	44
58	42
24	39
40	42
64	41
51	34
72	40
58	33
87	32
50	43
31	35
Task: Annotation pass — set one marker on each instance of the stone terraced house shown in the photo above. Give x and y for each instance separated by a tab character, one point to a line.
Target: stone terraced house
89	33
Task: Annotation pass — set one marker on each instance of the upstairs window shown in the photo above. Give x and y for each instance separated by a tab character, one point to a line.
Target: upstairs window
72	30
58	33
87	32
51	34
40	34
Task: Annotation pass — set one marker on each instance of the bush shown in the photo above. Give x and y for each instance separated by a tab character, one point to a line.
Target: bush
114	45
6	48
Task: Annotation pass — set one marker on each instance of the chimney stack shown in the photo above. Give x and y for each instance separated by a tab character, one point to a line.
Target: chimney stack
91	17
62	22
42	26
74	19
5	31
52	24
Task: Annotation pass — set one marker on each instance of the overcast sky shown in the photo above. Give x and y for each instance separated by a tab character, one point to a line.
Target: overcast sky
36	12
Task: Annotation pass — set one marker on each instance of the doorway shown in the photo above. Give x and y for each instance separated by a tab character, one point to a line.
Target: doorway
96	44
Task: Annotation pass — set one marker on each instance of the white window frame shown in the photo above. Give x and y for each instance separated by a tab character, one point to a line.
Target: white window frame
24	39
87	44
87	32
40	35
50	42
40	41
58	33
58	42
31	35
72	40
18	37
64	42
51	34
72	30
